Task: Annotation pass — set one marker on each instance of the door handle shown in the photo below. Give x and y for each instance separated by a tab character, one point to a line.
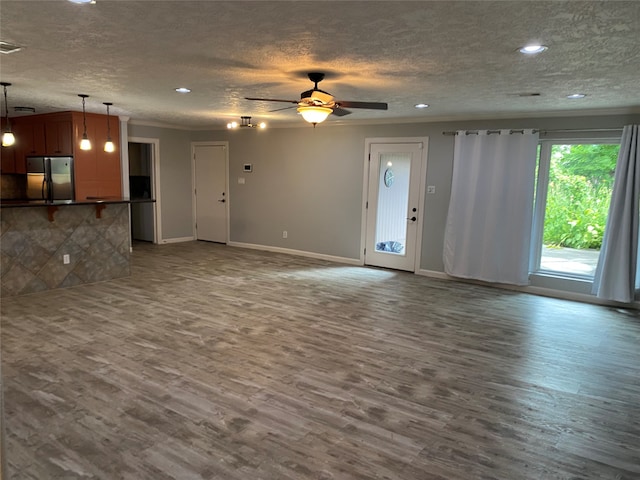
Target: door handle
413	219
222	201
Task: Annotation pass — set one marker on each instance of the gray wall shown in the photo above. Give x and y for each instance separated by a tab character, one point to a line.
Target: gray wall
309	181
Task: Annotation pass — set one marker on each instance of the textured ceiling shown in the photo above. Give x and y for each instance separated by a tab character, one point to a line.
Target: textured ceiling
459	57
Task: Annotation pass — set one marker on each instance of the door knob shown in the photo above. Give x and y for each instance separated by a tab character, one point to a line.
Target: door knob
413	219
222	201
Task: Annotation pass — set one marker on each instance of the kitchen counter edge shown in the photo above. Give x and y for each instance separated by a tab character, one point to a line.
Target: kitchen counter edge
63	203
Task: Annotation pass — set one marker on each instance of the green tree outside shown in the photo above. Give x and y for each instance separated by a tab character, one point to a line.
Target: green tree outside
580	186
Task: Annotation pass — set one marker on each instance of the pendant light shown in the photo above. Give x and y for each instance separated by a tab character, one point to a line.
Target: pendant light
7	136
85	143
109	147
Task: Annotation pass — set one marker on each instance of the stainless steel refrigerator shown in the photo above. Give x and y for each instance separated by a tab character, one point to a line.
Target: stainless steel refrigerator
50	178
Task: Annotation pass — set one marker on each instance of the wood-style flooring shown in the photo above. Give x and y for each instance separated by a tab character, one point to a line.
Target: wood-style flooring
214	362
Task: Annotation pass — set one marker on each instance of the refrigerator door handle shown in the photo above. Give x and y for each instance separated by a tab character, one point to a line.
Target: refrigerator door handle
44	186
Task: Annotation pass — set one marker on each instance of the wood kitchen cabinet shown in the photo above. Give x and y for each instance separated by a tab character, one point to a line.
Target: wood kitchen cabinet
38	135
96	172
30	139
59	135
7	160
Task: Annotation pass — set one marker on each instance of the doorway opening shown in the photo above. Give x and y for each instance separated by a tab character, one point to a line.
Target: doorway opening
144	185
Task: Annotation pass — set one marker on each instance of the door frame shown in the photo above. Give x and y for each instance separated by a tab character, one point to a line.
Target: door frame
225	145
155	178
421	202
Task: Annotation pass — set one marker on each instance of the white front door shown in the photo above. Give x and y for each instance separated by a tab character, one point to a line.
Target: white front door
210	192
393	205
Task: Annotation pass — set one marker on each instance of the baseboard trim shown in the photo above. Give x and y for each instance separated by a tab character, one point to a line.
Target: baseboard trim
299	253
545	292
434	274
177	240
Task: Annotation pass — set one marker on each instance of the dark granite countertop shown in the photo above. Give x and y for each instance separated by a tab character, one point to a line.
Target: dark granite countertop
62	203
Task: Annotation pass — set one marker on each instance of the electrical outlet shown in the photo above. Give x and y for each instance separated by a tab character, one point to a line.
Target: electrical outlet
431	189
66	259
284	234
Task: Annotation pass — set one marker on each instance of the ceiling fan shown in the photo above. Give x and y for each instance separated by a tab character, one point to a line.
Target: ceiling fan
316	105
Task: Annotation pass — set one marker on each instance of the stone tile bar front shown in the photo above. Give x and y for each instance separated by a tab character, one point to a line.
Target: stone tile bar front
45	245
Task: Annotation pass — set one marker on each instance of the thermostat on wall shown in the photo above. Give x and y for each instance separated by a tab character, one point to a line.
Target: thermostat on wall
247	167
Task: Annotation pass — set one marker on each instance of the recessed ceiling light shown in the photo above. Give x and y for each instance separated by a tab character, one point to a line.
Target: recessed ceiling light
532	49
421	105
575	96
183	90
83	1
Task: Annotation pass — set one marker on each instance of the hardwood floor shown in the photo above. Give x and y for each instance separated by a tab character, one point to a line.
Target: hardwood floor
213	362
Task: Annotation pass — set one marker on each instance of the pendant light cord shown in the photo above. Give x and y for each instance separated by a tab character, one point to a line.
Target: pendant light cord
108	123
6	110
84	117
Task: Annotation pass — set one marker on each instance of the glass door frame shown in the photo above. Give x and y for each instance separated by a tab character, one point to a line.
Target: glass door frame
424	143
540	205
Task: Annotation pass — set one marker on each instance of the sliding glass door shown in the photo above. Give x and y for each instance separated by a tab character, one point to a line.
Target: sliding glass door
575	181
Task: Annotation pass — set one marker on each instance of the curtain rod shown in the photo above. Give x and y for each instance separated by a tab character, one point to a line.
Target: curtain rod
489	132
575	130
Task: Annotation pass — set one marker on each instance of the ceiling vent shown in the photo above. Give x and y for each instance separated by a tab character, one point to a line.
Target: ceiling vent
8	48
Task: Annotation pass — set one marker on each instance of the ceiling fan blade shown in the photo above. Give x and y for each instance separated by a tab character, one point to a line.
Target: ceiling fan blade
271	100
283	108
369	105
340	112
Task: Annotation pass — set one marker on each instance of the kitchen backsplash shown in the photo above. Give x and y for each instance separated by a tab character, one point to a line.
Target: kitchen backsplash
13	187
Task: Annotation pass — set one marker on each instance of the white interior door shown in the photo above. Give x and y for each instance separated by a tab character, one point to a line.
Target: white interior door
393	204
211	199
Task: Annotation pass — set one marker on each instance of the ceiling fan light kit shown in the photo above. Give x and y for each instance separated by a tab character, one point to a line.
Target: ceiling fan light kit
315	115
246	122
316	105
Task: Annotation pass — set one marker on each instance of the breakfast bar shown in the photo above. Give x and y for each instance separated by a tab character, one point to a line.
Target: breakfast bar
56	244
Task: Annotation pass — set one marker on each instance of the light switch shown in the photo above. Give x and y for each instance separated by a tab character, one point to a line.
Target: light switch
431	189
